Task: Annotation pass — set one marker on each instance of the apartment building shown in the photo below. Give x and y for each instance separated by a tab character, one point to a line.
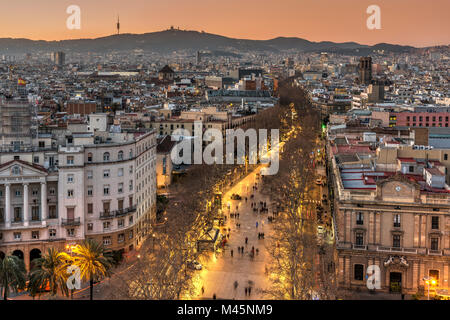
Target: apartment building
58	192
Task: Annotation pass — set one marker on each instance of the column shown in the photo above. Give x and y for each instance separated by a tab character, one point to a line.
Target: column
26	214
7	205
44	203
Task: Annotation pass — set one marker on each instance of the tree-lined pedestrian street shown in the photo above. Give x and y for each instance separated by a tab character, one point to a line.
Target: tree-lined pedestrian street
220	273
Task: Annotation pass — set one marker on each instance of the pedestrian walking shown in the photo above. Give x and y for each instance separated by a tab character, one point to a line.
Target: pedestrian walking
231	253
246	240
249	291
214	296
256	224
203	290
236	284
257	251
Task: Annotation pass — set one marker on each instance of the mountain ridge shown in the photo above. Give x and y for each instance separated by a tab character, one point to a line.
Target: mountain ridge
167	41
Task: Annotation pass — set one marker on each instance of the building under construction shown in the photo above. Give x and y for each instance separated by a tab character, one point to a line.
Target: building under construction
15	124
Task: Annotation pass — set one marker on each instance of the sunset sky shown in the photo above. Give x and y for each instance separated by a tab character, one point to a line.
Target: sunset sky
412	22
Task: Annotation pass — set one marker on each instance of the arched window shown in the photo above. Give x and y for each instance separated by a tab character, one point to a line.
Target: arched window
106	156
120	155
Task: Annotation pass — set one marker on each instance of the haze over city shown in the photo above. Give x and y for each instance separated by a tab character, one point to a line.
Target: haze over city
406	22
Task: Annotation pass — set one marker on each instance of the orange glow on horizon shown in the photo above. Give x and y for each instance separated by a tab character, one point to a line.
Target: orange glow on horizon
411	22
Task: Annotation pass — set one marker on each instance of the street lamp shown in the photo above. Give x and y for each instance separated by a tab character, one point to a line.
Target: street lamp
430	282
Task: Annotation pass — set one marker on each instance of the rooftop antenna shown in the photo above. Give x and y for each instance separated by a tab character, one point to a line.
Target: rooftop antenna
118	25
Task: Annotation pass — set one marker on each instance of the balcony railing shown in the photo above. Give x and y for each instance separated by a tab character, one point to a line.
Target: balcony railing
106	215
435	252
117	213
71	222
359	247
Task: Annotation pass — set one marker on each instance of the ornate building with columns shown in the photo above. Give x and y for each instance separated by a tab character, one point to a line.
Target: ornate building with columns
57	191
397	221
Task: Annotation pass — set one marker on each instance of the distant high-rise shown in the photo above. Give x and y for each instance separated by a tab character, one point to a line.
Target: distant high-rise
118	25
199	57
59	58
365	70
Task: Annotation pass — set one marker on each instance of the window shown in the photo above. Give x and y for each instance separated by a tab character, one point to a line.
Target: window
396	241
17	235
359	218
435	223
131	185
70	160
106	225
35	235
90	208
52	212
70	232
120	155
90	226
359	239
131	170
17	214
121	238
35	159
51	191
35	213
70	178
41	144
120	172
130	235
130	220
34	192
105	173
106	241
396	221
411	168
90	174
106	189
359	272
52	233
434	243
18	193
90	191
89	157
446	156
131	153
120	188
70	193
106	156
121	223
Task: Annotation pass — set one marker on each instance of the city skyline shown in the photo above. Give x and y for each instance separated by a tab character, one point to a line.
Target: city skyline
418	25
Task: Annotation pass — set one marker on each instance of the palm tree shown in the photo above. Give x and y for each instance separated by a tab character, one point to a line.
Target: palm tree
12	275
92	261
51	270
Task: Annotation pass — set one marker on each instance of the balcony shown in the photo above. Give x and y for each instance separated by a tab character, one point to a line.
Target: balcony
117	213
71	222
435	252
359	247
106	215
